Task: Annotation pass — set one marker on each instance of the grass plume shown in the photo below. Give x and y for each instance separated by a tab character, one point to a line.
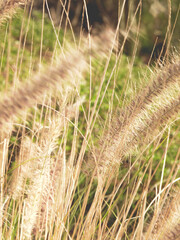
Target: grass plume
27	94
167	226
8	7
137	123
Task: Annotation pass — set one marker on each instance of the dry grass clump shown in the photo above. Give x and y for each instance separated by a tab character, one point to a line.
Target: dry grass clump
44	192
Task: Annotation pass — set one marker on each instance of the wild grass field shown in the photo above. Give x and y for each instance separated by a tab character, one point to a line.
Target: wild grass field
90	128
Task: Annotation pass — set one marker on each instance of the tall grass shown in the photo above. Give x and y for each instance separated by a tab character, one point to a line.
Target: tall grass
87	150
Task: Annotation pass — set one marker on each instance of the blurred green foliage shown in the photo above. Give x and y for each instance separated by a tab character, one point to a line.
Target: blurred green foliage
154	25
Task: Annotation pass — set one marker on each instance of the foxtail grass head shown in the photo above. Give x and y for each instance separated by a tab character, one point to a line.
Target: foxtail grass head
141	120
